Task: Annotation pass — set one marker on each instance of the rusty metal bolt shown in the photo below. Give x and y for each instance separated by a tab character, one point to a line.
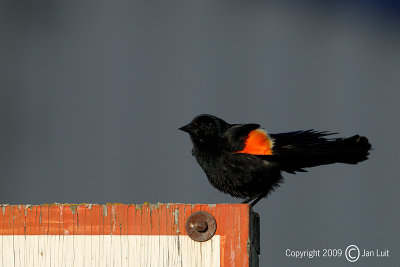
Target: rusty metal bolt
201	226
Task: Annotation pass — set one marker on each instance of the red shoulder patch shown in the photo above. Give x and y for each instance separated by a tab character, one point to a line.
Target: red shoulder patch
257	143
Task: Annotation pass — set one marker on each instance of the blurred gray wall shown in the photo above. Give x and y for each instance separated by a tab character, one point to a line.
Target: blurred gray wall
92	94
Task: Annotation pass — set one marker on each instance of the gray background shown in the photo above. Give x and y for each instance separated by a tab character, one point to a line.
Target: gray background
92	94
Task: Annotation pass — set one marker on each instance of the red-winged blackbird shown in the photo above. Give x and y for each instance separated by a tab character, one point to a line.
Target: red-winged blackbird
245	161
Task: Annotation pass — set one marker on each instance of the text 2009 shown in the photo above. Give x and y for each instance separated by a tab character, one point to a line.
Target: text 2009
332	252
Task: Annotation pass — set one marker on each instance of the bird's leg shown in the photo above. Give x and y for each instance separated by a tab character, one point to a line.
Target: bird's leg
261	196
247	200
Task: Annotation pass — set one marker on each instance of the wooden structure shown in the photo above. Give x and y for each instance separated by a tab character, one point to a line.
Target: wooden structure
128	235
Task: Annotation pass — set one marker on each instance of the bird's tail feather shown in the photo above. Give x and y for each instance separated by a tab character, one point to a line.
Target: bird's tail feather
303	149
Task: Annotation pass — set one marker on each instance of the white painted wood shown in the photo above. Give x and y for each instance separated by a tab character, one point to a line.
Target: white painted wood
107	250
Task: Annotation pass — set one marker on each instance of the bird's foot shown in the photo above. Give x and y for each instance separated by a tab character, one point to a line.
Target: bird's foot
247	200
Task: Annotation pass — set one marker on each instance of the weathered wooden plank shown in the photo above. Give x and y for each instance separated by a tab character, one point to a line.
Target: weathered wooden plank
124	235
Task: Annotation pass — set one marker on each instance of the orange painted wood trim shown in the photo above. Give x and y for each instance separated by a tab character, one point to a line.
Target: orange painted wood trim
233	222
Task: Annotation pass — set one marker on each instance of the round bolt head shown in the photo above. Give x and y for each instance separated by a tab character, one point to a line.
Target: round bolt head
201	226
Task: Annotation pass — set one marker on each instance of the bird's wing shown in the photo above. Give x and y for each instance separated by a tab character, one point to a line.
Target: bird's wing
248	139
300	149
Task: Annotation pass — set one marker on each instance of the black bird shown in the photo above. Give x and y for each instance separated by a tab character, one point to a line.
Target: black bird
245	161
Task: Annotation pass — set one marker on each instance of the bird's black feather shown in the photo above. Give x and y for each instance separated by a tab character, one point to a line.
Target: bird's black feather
304	149
235	136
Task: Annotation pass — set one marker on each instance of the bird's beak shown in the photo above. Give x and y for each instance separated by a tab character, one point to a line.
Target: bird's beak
187	128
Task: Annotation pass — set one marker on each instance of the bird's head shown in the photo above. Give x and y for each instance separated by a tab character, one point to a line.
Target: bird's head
205	130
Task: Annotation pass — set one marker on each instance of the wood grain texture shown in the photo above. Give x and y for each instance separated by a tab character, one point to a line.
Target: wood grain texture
107	250
122	235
